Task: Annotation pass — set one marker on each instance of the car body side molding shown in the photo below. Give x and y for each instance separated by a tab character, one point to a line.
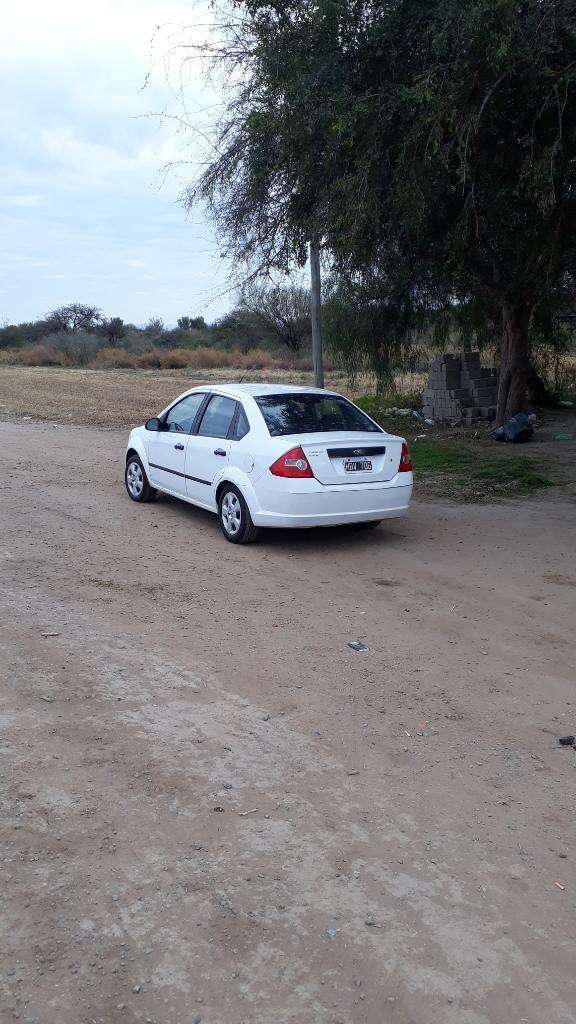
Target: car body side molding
174	472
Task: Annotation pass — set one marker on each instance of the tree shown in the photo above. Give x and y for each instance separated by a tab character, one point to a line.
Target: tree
114	329
283	312
12	336
240	329
72	318
192	323
432	142
367	327
155	326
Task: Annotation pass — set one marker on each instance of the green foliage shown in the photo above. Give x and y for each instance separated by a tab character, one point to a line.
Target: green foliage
429	142
379	406
241	329
154	327
368	327
114	329
281	312
17	335
192	323
12	336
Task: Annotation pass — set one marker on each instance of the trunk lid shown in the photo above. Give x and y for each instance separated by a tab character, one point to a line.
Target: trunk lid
340	457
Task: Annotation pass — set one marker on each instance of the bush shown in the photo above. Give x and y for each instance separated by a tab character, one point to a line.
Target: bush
12	336
175	359
149	360
204	358
39	355
255	359
113	358
91	350
77	349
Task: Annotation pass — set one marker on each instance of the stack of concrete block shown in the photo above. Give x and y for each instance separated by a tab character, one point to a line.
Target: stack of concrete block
460	389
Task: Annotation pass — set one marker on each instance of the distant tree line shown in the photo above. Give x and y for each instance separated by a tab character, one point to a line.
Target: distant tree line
265	316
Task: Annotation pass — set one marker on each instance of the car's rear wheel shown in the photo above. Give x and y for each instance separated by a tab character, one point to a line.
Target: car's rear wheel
137	483
235	519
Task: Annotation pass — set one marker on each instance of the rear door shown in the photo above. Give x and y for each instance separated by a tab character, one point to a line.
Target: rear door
167	447
209	447
339	458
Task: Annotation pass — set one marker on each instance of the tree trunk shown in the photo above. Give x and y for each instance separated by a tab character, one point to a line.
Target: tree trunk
514	363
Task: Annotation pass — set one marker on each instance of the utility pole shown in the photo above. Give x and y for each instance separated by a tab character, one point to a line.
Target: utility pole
315	311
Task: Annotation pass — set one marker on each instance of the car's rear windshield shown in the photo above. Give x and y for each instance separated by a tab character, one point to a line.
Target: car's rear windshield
312	414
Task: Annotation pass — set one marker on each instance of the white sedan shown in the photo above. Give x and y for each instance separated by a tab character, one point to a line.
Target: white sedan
271	455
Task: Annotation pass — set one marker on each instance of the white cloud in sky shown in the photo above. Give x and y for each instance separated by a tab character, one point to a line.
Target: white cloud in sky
86	213
30	200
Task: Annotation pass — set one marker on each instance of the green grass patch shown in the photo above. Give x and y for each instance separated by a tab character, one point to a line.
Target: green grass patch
473	473
378	406
468	467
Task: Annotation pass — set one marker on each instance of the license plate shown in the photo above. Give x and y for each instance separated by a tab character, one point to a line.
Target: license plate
357	465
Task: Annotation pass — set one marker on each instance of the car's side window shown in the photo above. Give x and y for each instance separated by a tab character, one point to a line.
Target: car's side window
182	415
242	426
217	417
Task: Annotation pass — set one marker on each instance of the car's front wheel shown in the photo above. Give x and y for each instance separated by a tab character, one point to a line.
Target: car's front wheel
235	520
137	483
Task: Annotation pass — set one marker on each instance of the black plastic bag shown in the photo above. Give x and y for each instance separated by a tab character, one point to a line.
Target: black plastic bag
517	430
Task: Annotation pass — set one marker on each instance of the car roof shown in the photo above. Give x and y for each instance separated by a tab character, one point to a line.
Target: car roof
257	390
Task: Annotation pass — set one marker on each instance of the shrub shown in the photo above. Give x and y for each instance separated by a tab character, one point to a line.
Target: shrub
204	358
39	355
12	336
8	357
175	359
149	360
77	349
256	359
113	358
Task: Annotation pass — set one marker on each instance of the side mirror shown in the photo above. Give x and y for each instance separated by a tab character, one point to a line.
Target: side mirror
153	424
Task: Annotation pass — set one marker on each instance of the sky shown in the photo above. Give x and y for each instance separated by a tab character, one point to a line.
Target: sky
86	212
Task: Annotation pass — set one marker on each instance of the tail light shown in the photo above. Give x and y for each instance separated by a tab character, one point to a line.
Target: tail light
405	460
293	464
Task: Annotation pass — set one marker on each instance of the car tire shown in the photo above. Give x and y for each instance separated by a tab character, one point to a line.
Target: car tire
137	483
234	517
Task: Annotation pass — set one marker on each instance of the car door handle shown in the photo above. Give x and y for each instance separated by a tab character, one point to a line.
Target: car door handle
219	451
179	447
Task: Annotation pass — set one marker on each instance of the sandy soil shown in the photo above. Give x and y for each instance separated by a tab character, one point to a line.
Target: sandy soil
215	810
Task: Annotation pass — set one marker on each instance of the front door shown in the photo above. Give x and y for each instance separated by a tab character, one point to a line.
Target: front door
209	448
167	447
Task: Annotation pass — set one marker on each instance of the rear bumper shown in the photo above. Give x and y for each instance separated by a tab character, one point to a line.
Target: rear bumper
332	506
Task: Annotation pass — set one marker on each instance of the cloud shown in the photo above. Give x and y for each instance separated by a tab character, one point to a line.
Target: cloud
87	211
26	201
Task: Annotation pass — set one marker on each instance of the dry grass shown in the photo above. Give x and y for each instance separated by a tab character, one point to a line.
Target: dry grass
115	358
122	398
36	355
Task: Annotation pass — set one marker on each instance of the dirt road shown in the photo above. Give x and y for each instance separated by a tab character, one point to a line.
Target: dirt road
216	811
